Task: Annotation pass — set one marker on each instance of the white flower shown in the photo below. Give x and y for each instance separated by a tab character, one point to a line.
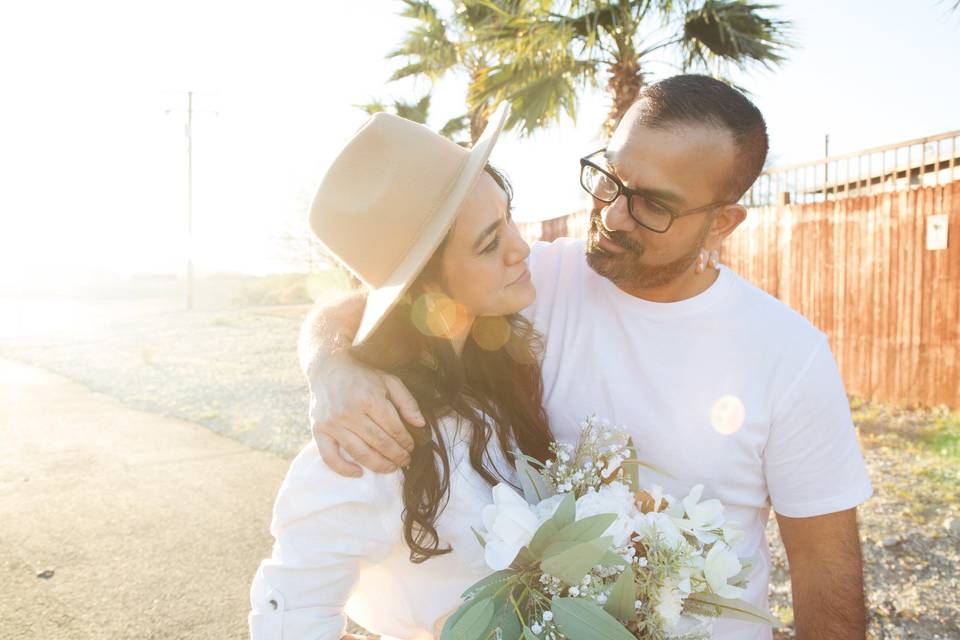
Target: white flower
653	525
536	628
615	498
547	616
702	518
510	524
656	492
732	534
691	626
720	565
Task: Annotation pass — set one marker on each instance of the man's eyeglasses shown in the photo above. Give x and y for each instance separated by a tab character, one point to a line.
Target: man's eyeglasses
646	211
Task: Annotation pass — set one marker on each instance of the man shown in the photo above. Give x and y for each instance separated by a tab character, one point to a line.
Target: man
718	382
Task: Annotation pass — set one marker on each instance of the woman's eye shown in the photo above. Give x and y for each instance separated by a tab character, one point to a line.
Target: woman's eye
492	246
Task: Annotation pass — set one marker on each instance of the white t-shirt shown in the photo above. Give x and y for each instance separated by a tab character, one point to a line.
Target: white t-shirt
730	388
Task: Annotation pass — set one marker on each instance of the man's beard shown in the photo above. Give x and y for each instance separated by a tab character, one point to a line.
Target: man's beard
626	268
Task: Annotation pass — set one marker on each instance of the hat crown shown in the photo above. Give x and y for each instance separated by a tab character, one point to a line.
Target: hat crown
380	192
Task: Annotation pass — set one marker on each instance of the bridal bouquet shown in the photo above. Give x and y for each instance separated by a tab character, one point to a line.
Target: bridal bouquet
587	554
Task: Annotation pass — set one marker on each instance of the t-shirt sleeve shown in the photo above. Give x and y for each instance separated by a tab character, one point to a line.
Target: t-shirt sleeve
812	460
323	526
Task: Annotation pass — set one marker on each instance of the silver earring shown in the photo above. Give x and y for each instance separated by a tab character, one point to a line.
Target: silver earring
714	261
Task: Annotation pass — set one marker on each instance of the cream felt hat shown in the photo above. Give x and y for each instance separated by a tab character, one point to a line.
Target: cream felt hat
388	200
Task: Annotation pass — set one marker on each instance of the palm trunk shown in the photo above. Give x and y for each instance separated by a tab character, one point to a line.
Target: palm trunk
478	112
478	122
624	86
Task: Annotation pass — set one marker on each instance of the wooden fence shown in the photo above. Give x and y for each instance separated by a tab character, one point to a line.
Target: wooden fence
849	250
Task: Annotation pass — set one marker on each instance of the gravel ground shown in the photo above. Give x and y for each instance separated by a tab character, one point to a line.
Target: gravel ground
910	528
235	371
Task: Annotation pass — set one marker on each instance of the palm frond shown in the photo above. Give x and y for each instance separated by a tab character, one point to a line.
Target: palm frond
538	93
455	126
427	45
372	107
416	111
734	31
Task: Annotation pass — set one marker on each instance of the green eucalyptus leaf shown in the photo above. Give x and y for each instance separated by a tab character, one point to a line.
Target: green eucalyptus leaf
543	538
623	597
611	559
483	543
495	578
571	563
566	512
535	486
529	635
472	624
506	620
580	619
587	529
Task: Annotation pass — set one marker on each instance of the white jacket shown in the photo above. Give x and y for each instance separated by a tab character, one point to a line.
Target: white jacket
339	551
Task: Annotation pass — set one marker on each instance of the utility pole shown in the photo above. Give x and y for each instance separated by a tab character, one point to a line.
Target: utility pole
189	132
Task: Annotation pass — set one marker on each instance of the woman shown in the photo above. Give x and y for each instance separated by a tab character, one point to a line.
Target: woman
426	225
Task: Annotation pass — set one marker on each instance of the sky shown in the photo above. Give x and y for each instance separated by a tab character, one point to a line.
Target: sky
93	101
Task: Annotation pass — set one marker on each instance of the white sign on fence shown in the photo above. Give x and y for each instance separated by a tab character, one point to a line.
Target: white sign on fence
937	232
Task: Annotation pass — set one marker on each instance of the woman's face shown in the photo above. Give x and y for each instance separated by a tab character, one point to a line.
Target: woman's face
483	265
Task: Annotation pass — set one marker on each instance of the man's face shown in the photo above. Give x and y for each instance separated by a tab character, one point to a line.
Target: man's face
684	167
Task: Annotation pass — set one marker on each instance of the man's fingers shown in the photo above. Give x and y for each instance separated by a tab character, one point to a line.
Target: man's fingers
403	400
330	452
379	440
384	414
363	454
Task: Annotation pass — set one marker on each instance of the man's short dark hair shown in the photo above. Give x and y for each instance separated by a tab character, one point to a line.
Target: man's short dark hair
697	99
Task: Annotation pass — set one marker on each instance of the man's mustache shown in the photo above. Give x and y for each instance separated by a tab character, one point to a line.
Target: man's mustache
619	238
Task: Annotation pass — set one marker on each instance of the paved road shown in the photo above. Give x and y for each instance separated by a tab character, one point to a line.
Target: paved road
153	527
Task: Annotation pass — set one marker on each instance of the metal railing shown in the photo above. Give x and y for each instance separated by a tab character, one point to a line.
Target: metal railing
922	162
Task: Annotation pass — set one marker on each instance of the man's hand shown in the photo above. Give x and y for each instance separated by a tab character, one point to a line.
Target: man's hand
826	571
360	410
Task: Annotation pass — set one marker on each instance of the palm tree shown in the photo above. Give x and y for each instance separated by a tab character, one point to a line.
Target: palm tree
545	53
436	46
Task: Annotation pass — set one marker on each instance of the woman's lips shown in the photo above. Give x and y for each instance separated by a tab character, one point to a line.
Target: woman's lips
523	278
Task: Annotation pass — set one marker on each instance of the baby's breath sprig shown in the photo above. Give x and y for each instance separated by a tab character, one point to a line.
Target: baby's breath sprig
596	460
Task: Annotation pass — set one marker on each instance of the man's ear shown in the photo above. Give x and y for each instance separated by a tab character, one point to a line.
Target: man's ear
727	219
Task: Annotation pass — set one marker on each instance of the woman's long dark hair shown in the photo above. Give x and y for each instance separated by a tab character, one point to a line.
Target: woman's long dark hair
502	384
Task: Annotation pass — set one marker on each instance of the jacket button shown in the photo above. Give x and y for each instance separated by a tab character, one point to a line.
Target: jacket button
273	603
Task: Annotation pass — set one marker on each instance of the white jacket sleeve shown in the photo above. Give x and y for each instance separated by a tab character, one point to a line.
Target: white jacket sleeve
323	526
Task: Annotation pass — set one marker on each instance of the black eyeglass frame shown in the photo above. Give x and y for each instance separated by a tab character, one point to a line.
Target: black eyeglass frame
622	190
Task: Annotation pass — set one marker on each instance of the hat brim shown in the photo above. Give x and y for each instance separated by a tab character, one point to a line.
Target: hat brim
382	299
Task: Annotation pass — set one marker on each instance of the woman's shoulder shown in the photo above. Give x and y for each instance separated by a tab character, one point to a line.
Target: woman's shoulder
310	486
